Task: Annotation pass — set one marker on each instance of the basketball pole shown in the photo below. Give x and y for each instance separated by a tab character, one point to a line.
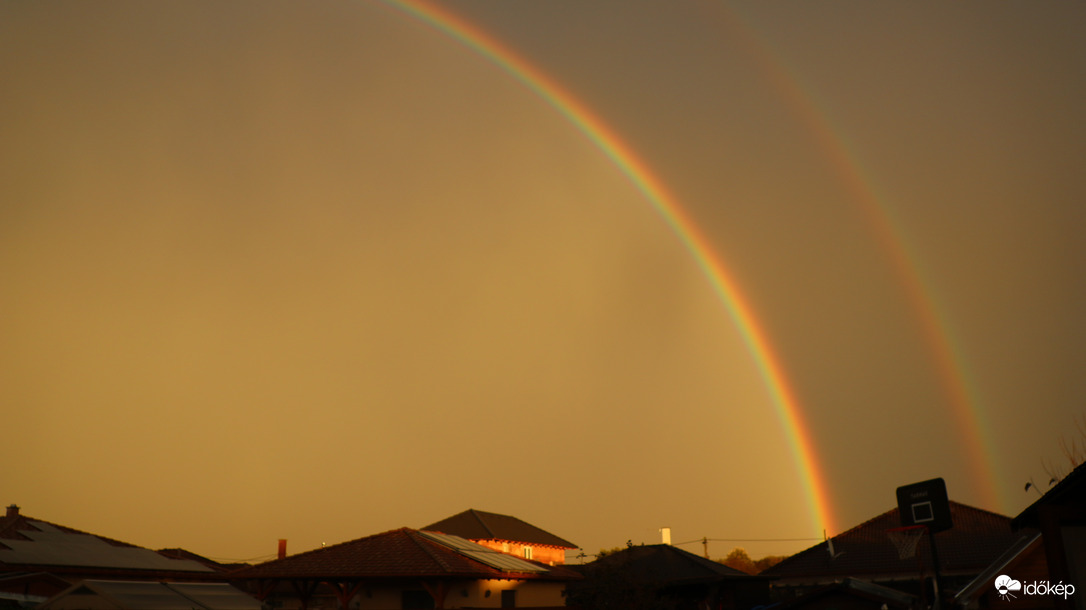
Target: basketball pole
935	568
926	503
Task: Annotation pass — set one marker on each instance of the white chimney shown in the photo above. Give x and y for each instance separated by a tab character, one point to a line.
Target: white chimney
665	532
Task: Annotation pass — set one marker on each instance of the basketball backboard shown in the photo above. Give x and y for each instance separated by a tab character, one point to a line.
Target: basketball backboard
925	503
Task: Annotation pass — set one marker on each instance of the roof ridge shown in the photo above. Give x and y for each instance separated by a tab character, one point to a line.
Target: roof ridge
478	517
888	513
697	560
322	548
425	544
978	509
21	521
881	515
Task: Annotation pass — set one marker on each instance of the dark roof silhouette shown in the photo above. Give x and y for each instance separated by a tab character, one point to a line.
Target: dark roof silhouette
400	553
15	525
36	545
977	538
1070	490
214	565
480	525
1007	563
853	593
663	564
129	595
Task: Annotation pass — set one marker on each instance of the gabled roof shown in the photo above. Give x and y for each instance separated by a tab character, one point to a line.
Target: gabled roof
401	553
479	525
27	543
666	565
126	595
977	538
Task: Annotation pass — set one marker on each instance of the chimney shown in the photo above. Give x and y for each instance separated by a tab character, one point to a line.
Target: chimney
13	511
665	532
282	548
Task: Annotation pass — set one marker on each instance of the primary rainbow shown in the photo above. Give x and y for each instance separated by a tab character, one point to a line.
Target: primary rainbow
626	159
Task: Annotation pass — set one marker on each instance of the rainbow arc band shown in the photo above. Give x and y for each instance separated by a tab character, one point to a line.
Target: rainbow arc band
667	205
787	406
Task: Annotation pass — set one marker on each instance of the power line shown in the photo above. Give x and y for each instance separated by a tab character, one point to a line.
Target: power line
261	559
748	540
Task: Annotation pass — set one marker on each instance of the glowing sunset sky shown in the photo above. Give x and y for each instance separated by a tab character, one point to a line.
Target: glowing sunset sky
319	270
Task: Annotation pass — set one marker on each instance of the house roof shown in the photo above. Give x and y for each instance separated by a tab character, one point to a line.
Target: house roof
1003	564
1071	490
127	595
977	538
480	525
27	543
214	565
401	553
875	595
664	564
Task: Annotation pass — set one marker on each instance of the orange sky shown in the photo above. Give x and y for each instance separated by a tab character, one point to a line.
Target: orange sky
316	271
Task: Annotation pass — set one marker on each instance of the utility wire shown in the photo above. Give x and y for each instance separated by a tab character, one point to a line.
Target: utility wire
748	540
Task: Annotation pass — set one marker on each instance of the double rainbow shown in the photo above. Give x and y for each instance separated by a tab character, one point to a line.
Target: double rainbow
784	399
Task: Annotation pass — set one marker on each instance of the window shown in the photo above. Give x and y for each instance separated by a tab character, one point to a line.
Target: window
527	552
509	598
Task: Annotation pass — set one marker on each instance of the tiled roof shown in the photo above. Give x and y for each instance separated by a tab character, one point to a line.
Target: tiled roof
977	538
479	525
401	553
666	564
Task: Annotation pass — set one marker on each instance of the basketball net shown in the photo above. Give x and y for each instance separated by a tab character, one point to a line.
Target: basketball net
905	539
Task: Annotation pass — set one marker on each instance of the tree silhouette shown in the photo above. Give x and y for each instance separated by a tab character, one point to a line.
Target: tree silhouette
740	560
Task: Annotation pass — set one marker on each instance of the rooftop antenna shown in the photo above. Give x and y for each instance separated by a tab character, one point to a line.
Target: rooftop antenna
829	546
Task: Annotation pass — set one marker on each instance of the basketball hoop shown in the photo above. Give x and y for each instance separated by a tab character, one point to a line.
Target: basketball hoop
905	539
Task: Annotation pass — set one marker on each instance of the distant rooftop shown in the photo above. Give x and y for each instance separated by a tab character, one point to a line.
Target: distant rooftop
977	538
480	525
666	564
403	553
31	542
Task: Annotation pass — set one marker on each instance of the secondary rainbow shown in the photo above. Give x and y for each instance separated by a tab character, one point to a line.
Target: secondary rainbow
656	192
948	363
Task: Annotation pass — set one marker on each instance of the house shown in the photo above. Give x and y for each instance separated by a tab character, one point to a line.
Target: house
1025	560
134	595
867	553
1055	553
39	559
664	576
505	534
405	568
1060	515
